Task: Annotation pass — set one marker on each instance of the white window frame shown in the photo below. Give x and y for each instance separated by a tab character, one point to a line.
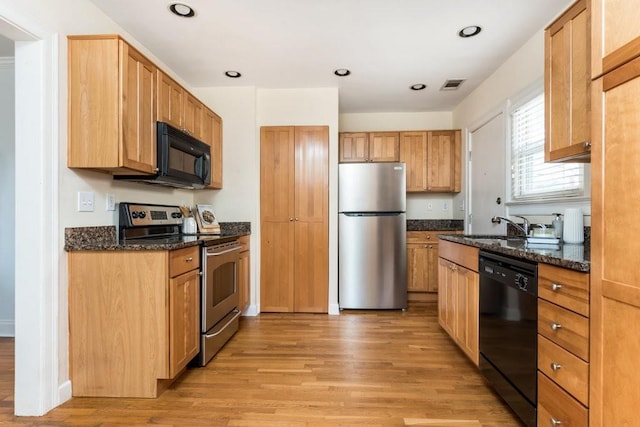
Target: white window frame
533	204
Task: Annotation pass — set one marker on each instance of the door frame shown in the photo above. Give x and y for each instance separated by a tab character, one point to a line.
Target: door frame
37	244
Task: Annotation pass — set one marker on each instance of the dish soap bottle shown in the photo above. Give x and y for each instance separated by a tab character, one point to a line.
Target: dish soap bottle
557	225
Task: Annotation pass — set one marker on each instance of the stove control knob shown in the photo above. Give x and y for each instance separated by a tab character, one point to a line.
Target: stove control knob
134	214
142	214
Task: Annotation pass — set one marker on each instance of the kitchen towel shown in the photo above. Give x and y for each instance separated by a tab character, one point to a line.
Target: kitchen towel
573	231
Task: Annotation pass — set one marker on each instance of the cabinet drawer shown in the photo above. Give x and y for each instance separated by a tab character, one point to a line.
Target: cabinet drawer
565	328
466	256
566	288
554	404
423	236
567	370
183	260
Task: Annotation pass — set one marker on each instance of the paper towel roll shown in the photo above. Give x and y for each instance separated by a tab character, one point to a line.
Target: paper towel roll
573	231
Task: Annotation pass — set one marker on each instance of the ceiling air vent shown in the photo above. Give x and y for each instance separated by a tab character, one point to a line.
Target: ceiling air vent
452	84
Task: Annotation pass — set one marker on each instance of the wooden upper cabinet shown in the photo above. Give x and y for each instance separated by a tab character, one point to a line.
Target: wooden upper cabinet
170	100
212	135
112	98
354	147
193	116
432	159
567	86
384	147
358	147
615	34
413	152
443	161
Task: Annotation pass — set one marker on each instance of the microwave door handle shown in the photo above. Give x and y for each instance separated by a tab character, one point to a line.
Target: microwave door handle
205	166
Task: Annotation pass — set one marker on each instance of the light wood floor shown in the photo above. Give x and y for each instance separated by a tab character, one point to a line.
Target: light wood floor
362	368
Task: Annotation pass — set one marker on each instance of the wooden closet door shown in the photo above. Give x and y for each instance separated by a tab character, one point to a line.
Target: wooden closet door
277	218
311	219
615	249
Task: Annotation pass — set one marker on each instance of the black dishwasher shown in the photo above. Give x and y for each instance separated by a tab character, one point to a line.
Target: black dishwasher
508	330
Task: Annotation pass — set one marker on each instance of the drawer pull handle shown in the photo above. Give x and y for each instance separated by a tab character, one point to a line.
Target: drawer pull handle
555	422
556	326
555	366
555	287
189	259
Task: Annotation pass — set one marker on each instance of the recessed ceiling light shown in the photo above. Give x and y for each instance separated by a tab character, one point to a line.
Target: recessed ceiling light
342	72
470	31
232	74
182	10
418	86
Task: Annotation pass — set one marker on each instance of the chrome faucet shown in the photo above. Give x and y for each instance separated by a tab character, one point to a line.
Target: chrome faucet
524	227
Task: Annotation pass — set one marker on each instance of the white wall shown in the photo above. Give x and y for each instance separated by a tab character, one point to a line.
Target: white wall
239	198
417	203
7	197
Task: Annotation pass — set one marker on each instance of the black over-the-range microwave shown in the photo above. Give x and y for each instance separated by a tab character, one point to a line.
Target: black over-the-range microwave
183	161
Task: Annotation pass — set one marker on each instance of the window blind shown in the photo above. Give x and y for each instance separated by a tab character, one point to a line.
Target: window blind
531	177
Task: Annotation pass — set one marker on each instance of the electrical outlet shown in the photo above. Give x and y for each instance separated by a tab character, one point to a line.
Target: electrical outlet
110	203
85	201
445	206
429	206
461	207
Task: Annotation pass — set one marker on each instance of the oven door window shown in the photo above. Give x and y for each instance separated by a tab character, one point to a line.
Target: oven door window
220	292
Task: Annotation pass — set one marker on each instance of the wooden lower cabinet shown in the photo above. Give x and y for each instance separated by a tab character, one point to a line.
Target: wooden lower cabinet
244	274
563	346
458	296
133	320
422	262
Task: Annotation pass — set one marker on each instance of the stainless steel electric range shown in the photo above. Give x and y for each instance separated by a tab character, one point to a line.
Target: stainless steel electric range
143	223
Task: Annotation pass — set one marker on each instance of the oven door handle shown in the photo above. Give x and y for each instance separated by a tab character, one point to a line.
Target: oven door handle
207	336
235	248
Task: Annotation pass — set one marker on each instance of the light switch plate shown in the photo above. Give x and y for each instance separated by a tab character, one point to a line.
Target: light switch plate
110	202
85	201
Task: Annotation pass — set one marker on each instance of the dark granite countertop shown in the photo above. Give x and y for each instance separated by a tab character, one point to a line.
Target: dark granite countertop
105	238
573	257
435	225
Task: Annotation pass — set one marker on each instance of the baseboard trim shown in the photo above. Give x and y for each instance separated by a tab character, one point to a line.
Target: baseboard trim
252	311
64	392
334	309
7	328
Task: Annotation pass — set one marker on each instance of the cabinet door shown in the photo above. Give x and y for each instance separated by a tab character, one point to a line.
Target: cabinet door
193	116
422	267
311	256
277	183
615	278
138	111
354	147
615	34
467	311
446	295
567	86
413	151
244	280
443	161
170	100
212	135
184	316
384	147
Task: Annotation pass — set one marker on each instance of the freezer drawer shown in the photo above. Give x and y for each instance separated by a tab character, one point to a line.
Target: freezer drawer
372	261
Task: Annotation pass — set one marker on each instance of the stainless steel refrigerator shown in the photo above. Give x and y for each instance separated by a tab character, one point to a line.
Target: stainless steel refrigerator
372	228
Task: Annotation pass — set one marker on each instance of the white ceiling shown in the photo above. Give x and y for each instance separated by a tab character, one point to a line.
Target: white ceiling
387	44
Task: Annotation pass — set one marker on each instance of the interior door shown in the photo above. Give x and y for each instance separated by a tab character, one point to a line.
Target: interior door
488	185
